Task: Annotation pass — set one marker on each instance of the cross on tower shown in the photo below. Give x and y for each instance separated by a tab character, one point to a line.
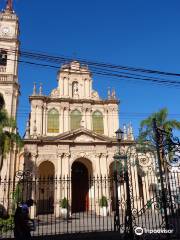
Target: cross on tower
9	5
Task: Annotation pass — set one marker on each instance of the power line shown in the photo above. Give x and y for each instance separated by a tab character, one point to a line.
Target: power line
105	73
100	68
101	64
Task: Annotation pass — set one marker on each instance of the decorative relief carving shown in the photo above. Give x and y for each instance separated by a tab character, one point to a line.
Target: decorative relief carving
47	148
82	148
55	93
100	147
104	155
46	157
95	95
8	92
81	154
84	138
144	161
97	155
64	148
67	154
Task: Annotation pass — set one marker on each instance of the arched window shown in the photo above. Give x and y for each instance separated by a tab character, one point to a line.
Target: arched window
75	119
53	121
3	57
97	120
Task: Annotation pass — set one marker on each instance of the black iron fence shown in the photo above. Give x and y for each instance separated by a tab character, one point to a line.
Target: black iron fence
65	205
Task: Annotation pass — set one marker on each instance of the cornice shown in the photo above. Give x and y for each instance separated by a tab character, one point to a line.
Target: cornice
71	100
41	141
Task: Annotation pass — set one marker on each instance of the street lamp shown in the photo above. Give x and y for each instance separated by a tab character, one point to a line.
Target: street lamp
119	137
128	215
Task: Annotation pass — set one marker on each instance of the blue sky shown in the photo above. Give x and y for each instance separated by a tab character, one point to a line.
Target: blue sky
138	33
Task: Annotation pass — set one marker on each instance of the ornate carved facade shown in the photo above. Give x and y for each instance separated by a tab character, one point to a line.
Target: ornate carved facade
73	123
72	130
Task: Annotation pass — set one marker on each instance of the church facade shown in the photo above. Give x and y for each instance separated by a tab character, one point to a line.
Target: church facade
70	135
71	132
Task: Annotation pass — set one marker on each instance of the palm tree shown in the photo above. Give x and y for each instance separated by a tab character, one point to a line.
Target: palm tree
8	135
146	126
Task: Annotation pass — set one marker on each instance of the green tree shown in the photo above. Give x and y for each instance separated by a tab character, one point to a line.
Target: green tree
146	126
8	135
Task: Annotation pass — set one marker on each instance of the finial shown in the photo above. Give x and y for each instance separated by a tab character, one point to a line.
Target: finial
131	131
113	95
34	89
109	93
9	5
40	89
130	135
128	132
125	132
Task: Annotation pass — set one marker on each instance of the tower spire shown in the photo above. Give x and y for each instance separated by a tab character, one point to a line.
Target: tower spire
9	5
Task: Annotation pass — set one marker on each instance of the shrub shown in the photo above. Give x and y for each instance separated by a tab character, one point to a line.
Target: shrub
103	202
64	203
6	224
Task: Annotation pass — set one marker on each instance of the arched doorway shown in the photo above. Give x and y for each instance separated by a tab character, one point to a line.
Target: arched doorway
45	203
80	187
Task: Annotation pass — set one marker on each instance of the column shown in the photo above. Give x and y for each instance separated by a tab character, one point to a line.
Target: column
39	119
66	87
110	122
34	185
88	119
117	119
66	119
103	164
62	87
33	114
83	112
84	88
89	88
105	122
59	184
70	89
113	128
44	119
65	164
61	123
97	171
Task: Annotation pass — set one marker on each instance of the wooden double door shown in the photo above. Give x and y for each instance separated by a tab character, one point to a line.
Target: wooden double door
80	187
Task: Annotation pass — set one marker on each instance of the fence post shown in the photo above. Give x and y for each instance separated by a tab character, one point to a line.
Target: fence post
116	215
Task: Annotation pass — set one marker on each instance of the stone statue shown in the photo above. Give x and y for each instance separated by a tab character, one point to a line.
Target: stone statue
75	89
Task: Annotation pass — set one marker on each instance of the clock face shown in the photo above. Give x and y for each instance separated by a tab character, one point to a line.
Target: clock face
5	31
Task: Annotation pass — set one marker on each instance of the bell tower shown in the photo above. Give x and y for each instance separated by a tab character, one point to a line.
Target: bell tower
9	54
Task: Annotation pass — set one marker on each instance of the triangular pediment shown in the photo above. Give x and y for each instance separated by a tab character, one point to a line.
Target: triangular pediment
81	135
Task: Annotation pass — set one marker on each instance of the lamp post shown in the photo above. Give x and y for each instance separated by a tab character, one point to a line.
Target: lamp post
128	233
128	215
119	136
